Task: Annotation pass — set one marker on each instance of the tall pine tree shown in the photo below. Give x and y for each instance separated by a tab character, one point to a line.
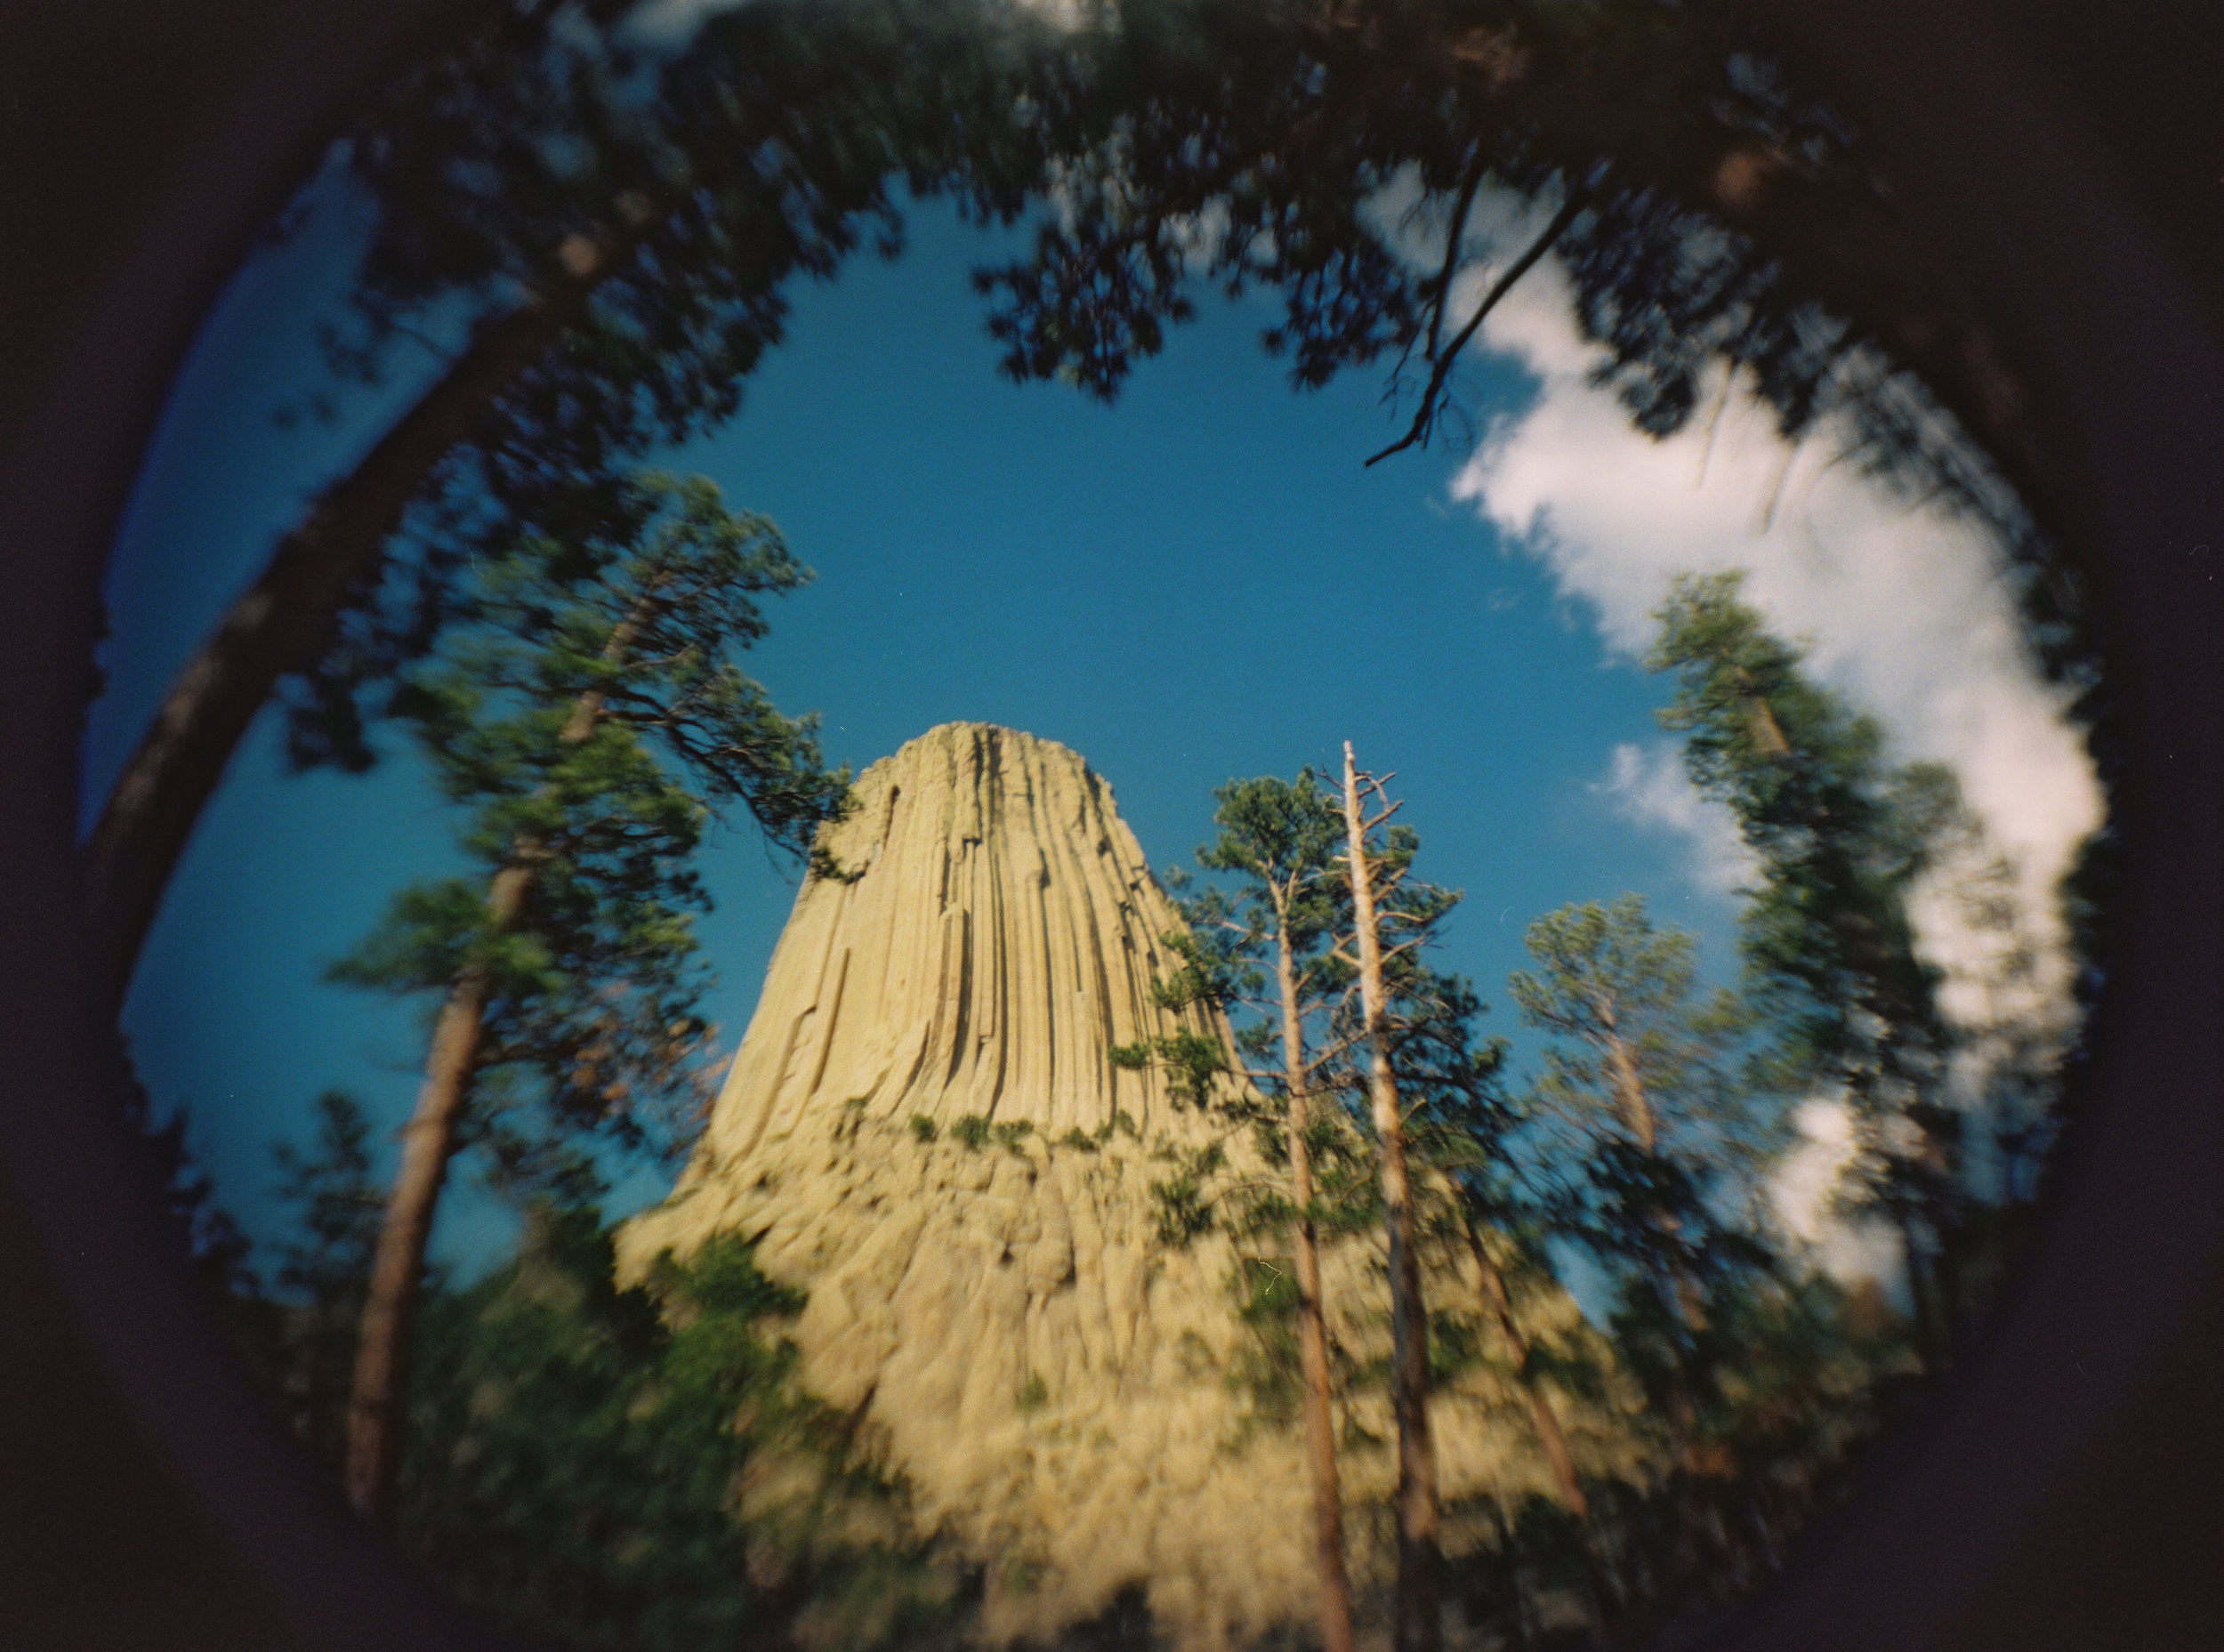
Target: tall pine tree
593	716
1842	835
1277	840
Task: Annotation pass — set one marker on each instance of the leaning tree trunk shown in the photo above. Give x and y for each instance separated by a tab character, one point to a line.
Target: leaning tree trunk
1682	1294
276	625
1547	1420
390	1307
1603	1596
1312	1337
1420	1626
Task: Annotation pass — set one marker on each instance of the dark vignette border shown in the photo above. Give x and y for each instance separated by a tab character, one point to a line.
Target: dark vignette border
2062	1493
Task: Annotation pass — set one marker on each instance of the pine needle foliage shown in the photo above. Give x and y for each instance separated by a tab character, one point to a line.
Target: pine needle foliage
1841	836
581	1458
594	721
324	1262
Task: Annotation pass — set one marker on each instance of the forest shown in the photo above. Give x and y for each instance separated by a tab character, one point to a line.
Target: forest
599	229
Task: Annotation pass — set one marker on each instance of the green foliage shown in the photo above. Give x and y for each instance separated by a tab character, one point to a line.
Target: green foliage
1010	1135
972	1130
1280	835
1841	838
593	720
324	1265
213	1247
1656	1129
1180	1209
578	1458
922	1128
719	175
1267	1367
1034	1394
1180	116
1208	975
1080	1141
1192	1063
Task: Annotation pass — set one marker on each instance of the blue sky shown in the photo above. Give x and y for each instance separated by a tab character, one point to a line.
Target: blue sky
1201	582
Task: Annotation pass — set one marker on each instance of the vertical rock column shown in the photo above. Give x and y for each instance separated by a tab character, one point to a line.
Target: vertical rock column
1048	1377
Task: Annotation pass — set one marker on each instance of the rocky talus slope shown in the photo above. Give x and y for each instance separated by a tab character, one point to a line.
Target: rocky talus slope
1061	1390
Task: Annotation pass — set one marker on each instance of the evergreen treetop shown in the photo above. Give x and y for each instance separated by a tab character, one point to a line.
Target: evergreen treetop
593	717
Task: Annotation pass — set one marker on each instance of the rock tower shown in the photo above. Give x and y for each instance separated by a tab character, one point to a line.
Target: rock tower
923	1128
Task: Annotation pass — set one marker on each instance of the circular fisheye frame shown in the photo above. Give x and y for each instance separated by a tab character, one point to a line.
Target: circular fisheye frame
1177	825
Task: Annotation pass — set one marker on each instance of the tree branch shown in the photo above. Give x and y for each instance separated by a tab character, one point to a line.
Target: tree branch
1424	415
274	626
1454	238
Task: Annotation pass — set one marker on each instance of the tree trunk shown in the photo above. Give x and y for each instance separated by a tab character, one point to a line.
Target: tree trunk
390	1307
276	625
1419	1626
398	1267
1603	1596
1684	1297
1548	1429
1312	1337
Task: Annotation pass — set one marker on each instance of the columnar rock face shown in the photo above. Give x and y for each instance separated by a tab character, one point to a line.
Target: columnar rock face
923	1127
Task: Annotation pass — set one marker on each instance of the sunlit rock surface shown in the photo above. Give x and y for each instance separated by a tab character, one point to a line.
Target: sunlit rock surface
1063	1393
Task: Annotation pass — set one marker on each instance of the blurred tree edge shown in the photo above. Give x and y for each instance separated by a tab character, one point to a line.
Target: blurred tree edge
623	267
130	1436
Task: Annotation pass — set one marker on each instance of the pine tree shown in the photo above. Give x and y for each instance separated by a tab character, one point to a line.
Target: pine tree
1390	920
1278	838
1281	942
324	1267
1640	1071
1463	1124
1831	967
615	238
619	256
592	716
1655	1146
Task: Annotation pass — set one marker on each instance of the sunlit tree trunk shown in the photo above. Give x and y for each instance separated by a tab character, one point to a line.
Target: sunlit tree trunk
1685	1298
1419	1626
390	1306
1312	1338
397	1266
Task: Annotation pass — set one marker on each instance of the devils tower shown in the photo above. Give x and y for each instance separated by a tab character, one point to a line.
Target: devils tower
923	1128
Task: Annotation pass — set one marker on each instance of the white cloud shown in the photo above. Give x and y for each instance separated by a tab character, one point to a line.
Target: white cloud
1846	1250
1907	611
1647	786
